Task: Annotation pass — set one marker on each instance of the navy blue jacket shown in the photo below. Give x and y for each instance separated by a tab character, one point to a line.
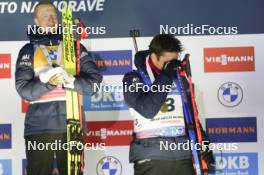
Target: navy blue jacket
49	117
148	105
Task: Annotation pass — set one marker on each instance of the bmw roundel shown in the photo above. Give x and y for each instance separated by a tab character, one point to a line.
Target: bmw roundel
230	94
109	166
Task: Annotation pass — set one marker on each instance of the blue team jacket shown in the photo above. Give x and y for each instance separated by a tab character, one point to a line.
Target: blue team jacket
148	104
49	117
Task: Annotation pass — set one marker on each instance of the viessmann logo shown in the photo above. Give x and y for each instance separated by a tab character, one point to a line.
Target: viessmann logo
103	133
112	133
229	59
5	66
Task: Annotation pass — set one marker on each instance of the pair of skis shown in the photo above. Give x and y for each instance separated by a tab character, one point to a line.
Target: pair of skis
190	114
73	100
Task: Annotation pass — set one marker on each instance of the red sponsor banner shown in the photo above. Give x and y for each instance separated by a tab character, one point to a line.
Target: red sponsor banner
24	106
111	133
229	59
5	65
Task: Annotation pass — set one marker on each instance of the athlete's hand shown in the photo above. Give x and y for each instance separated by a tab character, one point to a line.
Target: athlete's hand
68	81
170	67
208	156
56	80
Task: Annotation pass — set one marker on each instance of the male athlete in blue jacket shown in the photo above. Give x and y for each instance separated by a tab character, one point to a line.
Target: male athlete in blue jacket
45	120
158	115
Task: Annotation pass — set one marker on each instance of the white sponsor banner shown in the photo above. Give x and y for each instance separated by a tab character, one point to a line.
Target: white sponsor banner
207	91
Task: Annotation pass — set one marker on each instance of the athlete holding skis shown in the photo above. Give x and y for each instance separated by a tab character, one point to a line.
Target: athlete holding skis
158	115
41	80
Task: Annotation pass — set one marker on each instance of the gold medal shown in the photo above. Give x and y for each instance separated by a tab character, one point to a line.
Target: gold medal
164	108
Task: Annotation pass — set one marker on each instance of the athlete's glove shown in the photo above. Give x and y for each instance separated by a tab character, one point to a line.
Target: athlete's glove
56	80
207	155
170	67
57	77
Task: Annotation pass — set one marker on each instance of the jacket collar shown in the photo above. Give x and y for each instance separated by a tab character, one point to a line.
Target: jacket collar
45	39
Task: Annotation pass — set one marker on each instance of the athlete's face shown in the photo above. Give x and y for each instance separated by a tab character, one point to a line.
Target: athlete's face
46	18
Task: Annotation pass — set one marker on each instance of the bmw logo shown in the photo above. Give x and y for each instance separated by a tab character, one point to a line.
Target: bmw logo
230	94
109	166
